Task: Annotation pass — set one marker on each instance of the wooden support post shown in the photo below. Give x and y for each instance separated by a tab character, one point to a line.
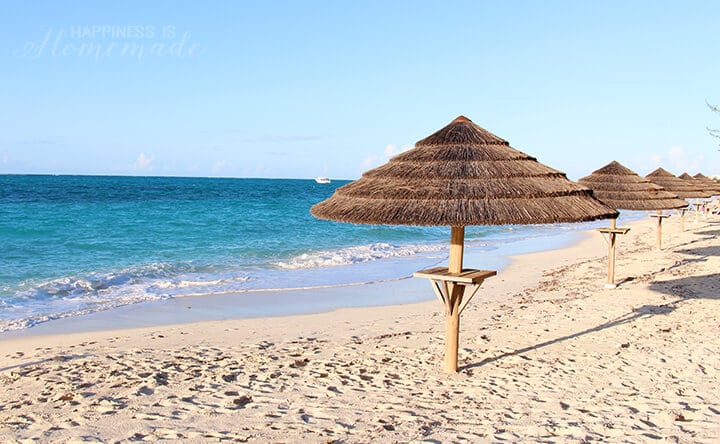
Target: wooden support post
659	229
682	219
452	328
457	244
660	216
611	255
612	233
452	305
454	290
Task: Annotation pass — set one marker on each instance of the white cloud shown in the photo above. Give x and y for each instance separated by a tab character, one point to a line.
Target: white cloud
219	166
259	170
144	162
680	161
375	160
390	150
370	162
676	152
677	160
395	150
193	169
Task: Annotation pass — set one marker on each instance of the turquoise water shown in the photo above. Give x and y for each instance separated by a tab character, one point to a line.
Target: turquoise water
71	245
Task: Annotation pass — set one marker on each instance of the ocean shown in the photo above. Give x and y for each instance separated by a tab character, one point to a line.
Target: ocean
73	245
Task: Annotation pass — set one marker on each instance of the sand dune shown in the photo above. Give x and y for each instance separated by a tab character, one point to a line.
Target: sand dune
546	355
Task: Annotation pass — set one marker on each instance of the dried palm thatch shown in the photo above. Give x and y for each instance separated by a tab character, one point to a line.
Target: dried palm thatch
623	189
709	184
713	179
699	185
706	183
462	175
682	188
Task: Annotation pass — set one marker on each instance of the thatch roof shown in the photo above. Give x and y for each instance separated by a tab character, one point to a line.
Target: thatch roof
623	189
704	178
682	188
711	185
462	175
700	185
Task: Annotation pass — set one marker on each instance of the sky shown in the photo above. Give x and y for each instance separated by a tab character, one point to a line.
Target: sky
299	89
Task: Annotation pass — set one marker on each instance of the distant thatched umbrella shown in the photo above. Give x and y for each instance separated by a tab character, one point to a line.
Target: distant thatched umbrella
710	184
675	185
704	191
461	175
623	189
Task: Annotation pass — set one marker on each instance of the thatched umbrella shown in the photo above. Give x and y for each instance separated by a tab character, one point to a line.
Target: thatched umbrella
623	189
461	175
703	193
675	185
709	184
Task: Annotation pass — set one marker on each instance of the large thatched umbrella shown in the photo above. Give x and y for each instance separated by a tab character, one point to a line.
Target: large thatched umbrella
461	175
623	189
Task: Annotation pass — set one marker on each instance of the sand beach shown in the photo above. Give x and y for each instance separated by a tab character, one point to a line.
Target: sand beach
547	354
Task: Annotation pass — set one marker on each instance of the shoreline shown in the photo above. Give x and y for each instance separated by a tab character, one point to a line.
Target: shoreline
287	302
546	354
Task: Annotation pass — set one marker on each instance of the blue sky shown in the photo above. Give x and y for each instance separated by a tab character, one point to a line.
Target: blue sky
306	88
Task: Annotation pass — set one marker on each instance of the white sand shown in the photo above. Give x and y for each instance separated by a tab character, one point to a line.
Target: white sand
547	355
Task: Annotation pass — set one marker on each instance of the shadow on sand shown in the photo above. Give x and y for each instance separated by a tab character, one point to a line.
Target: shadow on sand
709	233
683	288
690	287
701	251
635	314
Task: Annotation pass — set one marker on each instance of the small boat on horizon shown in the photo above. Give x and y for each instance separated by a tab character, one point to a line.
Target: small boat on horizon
322	179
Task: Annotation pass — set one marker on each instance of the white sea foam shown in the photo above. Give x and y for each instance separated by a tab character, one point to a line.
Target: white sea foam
38	302
66	308
79	295
356	255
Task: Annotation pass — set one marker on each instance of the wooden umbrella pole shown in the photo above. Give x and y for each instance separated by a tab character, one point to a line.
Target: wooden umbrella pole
659	229
682	219
611	254
457	244
452	304
452	328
